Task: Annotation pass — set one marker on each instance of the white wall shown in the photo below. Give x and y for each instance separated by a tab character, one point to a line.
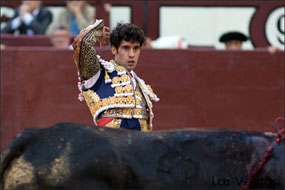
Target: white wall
203	26
119	14
275	27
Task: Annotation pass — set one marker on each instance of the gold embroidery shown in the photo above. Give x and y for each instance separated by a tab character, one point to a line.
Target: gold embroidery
105	102
151	91
149	88
107	77
115	123
144	126
115	80
137	111
115	112
94	96
130	100
99	104
121	100
91	96
119	89
145	96
127	106
119	68
124	78
138	102
128	89
92	100
85	56
113	100
127	111
120	81
139	94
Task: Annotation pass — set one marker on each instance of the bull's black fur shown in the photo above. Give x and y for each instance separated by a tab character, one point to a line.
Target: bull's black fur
104	158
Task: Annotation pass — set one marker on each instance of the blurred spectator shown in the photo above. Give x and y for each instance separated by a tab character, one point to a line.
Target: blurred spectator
233	40
61	38
273	49
169	42
76	16
147	42
30	18
7	13
2	46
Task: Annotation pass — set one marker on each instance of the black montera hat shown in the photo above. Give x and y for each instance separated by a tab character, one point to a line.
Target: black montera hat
233	36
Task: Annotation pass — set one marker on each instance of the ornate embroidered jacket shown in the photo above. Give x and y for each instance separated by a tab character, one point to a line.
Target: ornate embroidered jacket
112	95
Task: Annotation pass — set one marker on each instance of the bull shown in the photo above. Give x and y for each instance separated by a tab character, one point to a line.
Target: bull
76	157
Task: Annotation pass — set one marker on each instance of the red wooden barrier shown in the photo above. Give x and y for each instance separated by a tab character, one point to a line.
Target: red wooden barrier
198	88
25	40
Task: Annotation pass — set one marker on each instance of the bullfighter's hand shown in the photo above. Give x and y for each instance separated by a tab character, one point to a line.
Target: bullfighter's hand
75	7
105	36
23	9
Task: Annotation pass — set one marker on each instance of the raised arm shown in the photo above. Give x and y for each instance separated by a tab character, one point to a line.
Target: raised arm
85	56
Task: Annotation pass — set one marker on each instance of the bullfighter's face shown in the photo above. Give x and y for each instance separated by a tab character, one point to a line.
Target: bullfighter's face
127	54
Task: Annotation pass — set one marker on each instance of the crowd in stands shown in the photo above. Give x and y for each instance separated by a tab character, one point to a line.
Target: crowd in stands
75	16
31	18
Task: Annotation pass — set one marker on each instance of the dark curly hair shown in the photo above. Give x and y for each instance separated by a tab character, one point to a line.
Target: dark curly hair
128	32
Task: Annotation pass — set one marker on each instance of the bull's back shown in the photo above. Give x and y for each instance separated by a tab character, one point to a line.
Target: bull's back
48	158
71	156
16	171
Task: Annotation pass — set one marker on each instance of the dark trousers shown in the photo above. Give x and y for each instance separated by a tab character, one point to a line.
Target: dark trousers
130	124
